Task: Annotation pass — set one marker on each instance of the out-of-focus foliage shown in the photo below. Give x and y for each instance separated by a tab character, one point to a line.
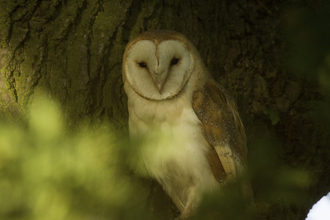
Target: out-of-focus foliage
48	171
273	184
273	116
307	36
308	40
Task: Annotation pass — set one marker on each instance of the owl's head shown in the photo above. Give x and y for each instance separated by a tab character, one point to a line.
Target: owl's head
158	64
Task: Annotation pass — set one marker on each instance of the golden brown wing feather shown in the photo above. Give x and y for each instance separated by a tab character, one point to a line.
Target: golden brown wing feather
224	132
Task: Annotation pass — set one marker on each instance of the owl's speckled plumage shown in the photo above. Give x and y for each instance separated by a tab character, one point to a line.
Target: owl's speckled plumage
194	137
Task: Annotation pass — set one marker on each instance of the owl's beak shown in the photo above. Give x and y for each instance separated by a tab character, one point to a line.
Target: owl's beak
159	80
159	85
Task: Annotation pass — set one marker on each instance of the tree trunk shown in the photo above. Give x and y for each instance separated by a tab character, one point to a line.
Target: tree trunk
72	50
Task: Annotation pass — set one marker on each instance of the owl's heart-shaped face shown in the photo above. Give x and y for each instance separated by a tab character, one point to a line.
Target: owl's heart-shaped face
158	69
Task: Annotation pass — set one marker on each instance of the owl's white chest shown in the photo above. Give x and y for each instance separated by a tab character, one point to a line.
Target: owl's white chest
174	149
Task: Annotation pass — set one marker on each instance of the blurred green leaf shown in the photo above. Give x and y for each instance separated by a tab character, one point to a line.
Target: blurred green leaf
48	171
273	116
307	35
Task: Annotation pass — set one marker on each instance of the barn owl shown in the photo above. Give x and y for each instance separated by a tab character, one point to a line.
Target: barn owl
195	140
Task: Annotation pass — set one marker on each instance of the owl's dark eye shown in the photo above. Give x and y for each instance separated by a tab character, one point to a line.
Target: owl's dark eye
143	64
174	61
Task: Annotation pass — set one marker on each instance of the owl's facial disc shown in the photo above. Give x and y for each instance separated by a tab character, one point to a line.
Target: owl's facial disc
158	71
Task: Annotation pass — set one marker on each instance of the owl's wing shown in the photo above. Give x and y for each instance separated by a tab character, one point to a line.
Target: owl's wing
223	131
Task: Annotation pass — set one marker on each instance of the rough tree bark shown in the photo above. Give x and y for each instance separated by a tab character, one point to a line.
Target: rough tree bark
72	50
